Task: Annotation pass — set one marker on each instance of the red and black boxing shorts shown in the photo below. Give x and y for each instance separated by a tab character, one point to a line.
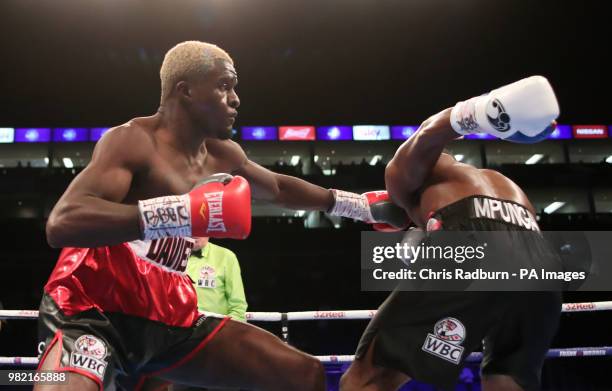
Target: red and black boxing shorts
103	345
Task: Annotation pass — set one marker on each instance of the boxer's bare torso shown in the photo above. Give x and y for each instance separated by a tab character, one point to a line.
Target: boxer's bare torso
160	169
135	161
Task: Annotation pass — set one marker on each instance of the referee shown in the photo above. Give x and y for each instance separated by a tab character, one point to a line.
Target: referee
217	279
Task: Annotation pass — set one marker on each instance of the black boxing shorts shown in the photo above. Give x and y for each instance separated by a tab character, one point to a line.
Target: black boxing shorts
428	335
103	345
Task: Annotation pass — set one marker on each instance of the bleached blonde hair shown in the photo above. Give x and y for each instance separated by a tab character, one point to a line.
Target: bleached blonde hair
188	59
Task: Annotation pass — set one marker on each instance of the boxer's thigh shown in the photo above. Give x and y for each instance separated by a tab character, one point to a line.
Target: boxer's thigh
75	381
517	347
427	335
76	344
364	375
241	355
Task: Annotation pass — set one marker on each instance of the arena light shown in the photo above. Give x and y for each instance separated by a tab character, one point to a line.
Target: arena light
534	158
296	133
590	131
295	159
553	207
316	158
46	161
97	133
32	135
403	132
371	132
329	171
375	160
561	132
609	159
68	162
7	135
459	157
333	133
70	134
259	133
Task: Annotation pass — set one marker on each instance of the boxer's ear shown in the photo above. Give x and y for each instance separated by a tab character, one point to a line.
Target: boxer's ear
183	90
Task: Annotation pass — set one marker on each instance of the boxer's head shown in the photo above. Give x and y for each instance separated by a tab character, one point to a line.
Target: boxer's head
202	78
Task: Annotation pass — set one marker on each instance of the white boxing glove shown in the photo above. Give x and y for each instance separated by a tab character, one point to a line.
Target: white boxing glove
527	107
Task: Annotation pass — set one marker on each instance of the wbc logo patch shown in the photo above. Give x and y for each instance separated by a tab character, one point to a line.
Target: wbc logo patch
89	355
207	277
446	340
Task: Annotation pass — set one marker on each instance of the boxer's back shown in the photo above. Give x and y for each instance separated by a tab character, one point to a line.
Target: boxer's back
451	181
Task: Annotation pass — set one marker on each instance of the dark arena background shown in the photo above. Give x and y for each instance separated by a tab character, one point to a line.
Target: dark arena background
70	69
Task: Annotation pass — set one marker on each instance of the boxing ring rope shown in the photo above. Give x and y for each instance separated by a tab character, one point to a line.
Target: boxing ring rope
342	359
285	317
327	314
477	356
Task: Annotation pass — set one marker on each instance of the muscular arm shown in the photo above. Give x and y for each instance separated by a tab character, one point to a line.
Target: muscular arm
296	193
416	158
90	213
285	190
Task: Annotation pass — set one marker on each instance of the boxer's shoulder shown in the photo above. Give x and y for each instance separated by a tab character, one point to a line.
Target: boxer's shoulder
228	151
492	174
134	131
500	181
506	188
131	142
447	168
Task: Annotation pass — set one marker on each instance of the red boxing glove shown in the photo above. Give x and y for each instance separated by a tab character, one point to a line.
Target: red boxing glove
221	207
386	216
218	207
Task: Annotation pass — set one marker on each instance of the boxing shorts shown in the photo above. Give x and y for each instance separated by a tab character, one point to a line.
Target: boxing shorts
428	335
104	345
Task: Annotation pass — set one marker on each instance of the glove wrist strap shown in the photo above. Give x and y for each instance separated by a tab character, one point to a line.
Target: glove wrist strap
463	117
165	216
351	205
